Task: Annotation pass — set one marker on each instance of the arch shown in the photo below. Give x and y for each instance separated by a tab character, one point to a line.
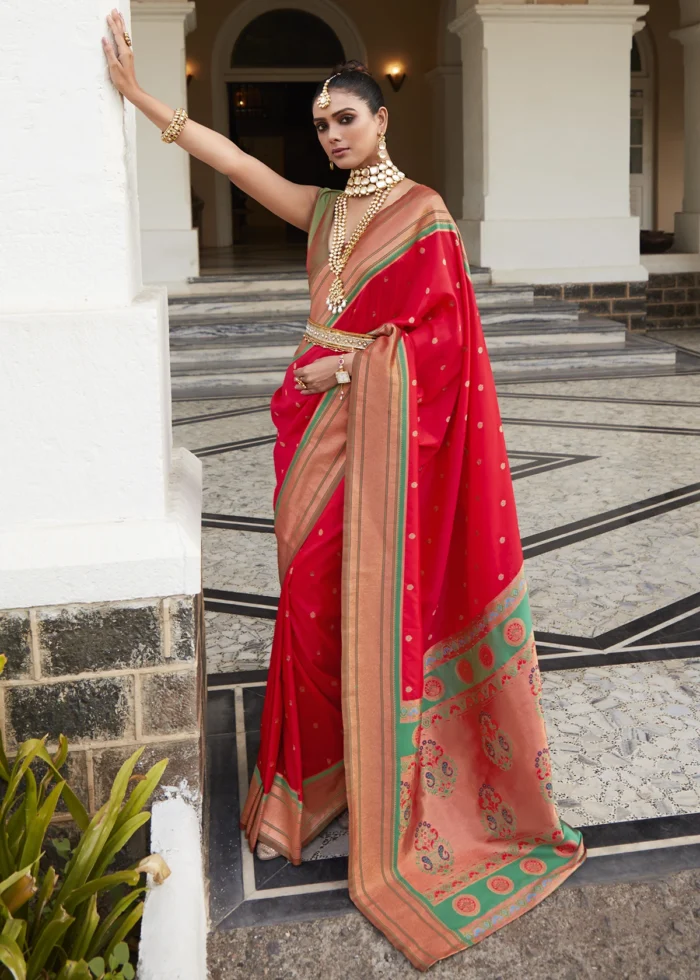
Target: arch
229	32
644	44
286	39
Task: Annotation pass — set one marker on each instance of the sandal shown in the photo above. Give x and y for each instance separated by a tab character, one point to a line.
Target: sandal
264	852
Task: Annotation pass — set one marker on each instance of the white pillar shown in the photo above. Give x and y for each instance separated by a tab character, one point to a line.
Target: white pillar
169	242
688	220
546	140
94	506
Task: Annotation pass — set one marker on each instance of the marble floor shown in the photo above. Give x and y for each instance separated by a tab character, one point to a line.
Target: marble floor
607	481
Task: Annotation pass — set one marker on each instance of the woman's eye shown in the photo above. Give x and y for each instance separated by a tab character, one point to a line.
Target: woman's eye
321	127
347	119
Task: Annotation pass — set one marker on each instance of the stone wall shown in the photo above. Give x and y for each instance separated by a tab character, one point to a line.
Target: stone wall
673	300
666	301
622	301
110	677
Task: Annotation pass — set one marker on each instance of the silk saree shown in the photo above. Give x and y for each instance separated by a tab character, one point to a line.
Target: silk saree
403	680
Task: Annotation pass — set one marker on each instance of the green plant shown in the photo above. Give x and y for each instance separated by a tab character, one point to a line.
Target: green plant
63	925
119	965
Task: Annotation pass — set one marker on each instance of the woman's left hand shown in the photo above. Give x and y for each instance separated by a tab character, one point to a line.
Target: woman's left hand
121	64
319	376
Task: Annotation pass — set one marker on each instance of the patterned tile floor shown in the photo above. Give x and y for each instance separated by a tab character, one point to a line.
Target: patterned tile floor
607	478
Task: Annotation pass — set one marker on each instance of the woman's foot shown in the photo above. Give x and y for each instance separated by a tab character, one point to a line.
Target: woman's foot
266	853
344	820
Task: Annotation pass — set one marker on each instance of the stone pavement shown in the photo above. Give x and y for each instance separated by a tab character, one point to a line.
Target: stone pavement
632	931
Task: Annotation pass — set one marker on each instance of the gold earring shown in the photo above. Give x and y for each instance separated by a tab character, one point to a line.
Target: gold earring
332	165
383	155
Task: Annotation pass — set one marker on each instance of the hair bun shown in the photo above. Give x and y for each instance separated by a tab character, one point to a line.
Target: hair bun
353	65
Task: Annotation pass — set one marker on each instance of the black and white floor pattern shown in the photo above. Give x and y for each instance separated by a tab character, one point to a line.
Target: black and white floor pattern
607	478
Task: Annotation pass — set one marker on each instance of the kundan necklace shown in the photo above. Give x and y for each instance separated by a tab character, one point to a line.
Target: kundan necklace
376	180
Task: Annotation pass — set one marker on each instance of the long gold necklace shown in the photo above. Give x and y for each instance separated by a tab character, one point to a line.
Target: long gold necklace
341	250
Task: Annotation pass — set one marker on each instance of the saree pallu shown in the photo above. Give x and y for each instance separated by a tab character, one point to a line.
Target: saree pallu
403	680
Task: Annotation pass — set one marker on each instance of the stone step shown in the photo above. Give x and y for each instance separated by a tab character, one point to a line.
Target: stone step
265	333
632	352
247	283
271	305
218	372
539	311
497	304
277	352
503	296
274	297
237	299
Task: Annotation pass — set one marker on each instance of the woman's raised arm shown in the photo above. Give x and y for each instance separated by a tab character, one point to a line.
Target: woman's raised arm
291	202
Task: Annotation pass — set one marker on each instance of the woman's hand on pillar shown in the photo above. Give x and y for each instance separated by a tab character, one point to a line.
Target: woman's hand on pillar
121	62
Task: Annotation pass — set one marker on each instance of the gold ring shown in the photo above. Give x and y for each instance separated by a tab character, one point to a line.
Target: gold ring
301	383
127	38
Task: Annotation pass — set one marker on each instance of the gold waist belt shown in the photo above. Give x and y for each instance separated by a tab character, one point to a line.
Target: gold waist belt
337	340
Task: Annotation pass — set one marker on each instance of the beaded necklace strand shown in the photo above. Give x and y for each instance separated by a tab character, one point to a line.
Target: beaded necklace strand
378	183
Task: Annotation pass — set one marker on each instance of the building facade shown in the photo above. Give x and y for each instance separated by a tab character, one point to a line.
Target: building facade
555	131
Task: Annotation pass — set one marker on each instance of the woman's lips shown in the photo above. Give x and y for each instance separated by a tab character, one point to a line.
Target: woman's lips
340	151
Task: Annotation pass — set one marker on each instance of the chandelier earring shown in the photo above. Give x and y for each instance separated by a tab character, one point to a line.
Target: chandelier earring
383	155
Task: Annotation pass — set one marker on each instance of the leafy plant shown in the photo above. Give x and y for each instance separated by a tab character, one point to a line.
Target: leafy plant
68	924
119	965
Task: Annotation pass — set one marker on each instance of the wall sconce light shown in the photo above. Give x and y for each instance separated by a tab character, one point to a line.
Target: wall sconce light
189	71
396	76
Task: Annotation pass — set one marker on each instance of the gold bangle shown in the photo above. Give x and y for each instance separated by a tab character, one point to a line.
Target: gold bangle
171	133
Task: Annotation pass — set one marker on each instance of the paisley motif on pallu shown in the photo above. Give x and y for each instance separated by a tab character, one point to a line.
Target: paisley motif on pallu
495	742
433	853
535	679
543	766
497	817
438	771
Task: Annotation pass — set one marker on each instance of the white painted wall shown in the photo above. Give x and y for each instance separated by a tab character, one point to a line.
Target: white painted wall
169	243
546	141
91	506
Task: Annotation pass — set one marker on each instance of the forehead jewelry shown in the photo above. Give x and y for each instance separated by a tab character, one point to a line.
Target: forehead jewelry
324	99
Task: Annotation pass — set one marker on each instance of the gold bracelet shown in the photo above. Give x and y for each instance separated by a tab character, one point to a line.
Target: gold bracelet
176	126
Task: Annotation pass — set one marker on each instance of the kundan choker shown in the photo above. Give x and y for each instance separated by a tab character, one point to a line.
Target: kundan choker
369	180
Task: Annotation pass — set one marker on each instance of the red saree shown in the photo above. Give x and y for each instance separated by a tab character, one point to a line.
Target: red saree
404	679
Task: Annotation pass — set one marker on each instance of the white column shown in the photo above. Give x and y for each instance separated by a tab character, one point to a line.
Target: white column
94	506
169	242
546	140
688	220
447	134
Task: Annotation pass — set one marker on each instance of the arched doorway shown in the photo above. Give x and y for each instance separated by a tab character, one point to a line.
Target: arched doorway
270	117
642	135
268	57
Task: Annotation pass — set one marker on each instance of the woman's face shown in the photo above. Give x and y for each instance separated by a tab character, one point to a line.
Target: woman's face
348	131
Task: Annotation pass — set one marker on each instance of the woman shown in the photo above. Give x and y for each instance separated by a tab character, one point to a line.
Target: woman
403	681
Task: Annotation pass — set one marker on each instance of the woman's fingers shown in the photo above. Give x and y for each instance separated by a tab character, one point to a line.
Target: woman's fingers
108	49
116	24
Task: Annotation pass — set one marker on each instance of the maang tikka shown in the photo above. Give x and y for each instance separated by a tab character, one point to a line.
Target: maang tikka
324	99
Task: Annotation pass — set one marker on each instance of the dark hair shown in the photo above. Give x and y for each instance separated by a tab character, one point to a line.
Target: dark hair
354	77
